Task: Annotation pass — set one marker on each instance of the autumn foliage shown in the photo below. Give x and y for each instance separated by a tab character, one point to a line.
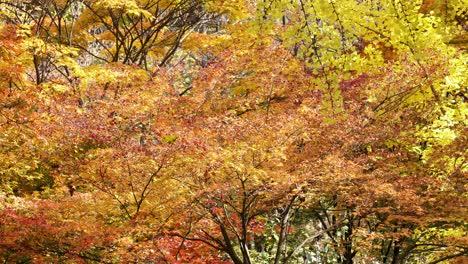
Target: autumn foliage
186	131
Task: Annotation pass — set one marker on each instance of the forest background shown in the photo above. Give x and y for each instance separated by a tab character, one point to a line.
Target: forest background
241	131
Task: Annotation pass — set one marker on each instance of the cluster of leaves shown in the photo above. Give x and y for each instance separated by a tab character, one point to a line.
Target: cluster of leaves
186	131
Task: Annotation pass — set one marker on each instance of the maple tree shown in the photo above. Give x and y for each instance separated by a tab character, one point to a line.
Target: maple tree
233	131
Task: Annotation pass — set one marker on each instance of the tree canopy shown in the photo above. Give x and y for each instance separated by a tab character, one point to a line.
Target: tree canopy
243	131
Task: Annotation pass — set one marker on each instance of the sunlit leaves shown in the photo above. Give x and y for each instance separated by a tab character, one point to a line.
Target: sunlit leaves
243	131
127	7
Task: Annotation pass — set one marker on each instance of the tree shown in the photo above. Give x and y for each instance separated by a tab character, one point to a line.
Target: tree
233	132
128	31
